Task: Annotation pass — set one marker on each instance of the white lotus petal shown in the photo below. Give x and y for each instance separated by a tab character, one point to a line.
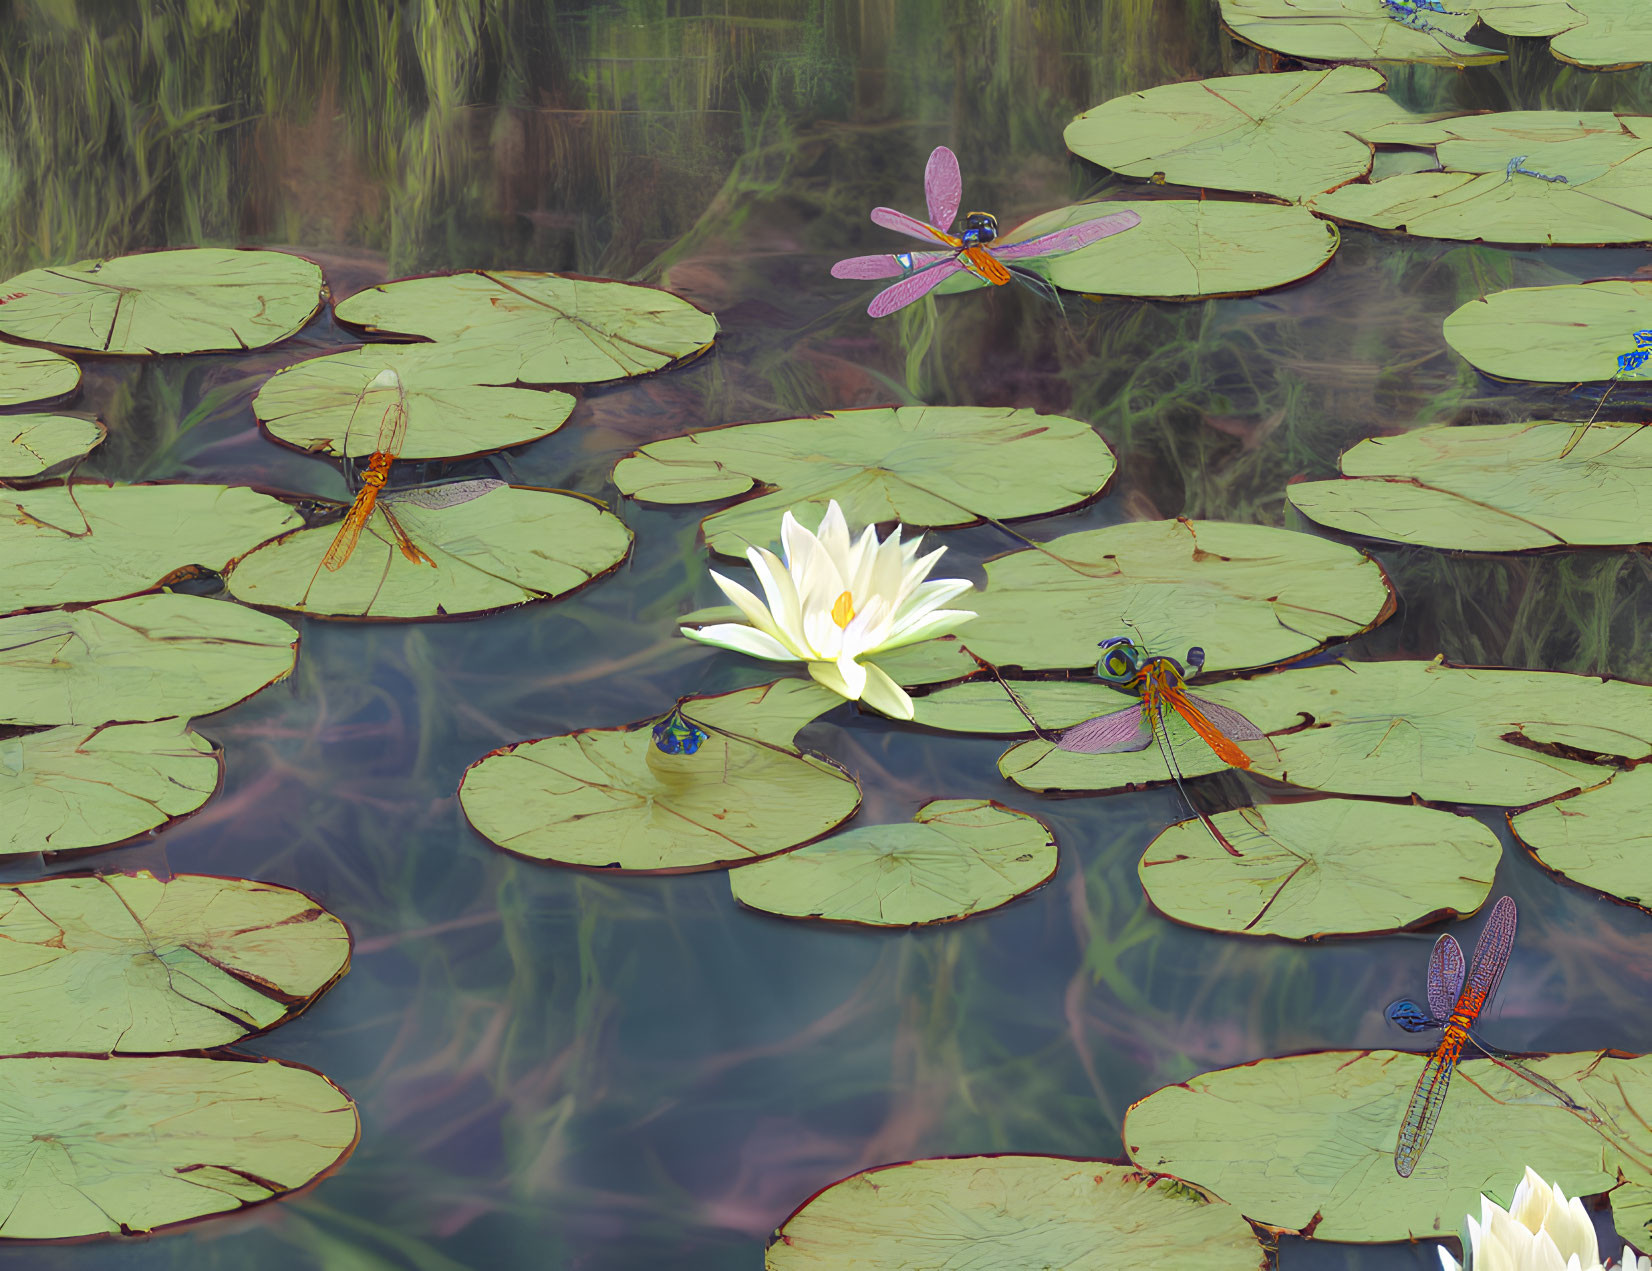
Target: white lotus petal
757	613
853	675
833	534
826	673
731	635
938	623
784	607
867	629
883	694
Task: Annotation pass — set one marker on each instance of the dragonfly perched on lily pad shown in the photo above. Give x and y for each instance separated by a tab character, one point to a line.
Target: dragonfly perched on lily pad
374	497
1629	363
678	735
1160	682
971	250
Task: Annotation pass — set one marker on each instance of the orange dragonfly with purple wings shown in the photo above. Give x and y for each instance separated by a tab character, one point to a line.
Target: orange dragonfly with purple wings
1456	1005
970	250
1161	682
372	495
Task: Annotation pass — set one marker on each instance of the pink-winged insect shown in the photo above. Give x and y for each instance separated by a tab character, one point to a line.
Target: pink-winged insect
970	251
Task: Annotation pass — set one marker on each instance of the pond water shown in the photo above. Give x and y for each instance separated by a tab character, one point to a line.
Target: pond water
559	1069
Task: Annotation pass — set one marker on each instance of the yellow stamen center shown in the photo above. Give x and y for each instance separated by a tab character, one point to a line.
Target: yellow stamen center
843	609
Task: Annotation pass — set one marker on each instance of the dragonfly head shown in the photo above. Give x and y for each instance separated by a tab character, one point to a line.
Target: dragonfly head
1408	1015
979	228
1195	660
1120	662
1643	339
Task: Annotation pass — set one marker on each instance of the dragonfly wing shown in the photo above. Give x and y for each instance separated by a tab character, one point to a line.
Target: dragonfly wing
1423	1113
1071	238
1227	719
1128	729
913	287
943	186
1491	955
448	494
1445	977
403	541
1189	708
886	266
911	226
349	531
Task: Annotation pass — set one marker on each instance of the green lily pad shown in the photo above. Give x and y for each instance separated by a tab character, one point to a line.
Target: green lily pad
1291	134
1600	838
131	964
31	445
928	466
1250	594
539	328
1492	488
35	375
1353	31
1322	868
1395	730
955	858
70	788
1557	335
505	547
92	541
150	657
452	409
96	1147
1306	1142
197	300
1186	250
1598	35
1012	1211
609	799
1606	198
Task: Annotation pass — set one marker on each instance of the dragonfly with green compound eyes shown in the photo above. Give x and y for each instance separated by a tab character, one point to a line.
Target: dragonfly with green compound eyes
1160	681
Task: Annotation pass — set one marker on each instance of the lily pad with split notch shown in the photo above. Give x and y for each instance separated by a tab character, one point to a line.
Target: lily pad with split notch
453	409
1492	488
76	787
29	375
1559	335
954	859
926	466
131	964
1598	35
539	328
608	799
1013	1211
90	541
105	1147
1320	868
1355	31
33	445
1288	134
1599	838
1305	1143
1397	730
147	658
1606	198
192	300
1251	595
494	545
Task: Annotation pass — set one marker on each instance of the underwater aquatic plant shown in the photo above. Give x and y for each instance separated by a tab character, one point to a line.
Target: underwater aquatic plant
833	602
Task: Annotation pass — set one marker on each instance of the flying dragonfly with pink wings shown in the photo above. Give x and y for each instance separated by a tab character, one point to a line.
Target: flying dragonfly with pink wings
970	251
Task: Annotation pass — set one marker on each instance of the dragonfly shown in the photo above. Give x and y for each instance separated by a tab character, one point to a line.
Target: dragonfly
677	735
372	495
1628	364
1160	681
1410	13
1458	1004
1516	167
970	250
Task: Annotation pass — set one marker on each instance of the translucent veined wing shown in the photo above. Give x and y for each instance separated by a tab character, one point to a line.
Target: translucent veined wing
1128	729
1491	955
886	266
912	287
446	495
1227	719
349	530
408	549
943	187
1071	238
911	226
1214	737
1427	1102
392	430
1445	977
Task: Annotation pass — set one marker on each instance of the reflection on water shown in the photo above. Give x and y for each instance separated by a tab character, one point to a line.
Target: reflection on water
558	1069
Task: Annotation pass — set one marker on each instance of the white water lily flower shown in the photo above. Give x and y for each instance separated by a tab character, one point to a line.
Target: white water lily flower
834	602
1540	1231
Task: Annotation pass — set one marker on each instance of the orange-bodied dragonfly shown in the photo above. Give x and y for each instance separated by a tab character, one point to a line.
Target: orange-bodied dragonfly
392	432
1160	681
1459	1005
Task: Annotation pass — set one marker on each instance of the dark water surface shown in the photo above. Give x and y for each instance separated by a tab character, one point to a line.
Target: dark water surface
562	1070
